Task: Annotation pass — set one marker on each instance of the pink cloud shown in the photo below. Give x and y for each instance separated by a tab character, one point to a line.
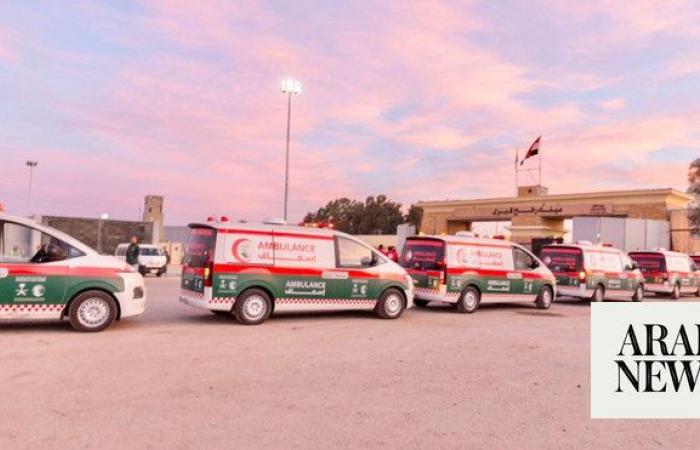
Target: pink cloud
200	118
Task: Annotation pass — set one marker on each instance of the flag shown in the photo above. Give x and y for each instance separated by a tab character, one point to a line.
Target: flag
533	150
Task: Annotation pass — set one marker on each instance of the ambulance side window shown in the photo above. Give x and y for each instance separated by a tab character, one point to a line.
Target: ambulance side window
16	243
353	254
22	244
523	260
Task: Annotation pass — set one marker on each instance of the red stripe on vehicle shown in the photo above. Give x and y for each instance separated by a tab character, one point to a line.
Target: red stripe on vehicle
434	273
299	271
495	273
36	270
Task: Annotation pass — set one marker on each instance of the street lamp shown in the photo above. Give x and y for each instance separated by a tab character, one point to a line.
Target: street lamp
289	86
102	218
31	165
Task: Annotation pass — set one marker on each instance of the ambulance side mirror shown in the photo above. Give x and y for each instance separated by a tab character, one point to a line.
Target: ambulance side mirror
366	261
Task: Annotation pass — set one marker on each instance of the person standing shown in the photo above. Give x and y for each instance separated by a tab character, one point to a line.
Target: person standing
132	252
392	254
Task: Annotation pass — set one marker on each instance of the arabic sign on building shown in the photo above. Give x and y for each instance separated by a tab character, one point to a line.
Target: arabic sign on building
553	210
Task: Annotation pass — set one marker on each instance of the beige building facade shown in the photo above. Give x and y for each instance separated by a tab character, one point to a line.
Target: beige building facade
534	213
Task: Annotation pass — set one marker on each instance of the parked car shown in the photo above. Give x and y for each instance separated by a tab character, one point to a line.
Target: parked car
467	271
46	274
152	259
595	272
251	271
668	273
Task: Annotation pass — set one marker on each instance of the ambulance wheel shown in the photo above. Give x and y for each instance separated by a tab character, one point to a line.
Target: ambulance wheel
544	298
420	303
676	294
599	293
92	311
469	301
253	307
638	294
391	304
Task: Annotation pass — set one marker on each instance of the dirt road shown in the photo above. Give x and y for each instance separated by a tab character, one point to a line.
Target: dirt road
507	376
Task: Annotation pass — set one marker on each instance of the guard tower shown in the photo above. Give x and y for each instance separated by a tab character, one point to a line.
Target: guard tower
153	213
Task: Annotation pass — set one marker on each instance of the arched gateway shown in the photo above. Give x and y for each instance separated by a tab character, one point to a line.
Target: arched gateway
535	214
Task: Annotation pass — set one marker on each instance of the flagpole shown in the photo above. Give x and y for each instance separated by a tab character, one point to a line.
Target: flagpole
516	170
540	153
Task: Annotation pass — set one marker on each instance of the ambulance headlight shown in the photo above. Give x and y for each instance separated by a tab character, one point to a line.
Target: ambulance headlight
409	281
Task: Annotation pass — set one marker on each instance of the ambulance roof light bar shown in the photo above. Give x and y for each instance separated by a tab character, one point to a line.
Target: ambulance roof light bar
468	234
586	243
274	221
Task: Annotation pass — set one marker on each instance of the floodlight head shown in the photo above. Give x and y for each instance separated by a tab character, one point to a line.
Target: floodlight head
290	86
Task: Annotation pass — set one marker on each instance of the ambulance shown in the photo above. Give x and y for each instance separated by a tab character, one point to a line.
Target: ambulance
46	274
668	273
465	271
595	272
251	271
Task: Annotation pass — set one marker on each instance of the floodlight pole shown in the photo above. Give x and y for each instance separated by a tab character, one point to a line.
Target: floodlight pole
286	155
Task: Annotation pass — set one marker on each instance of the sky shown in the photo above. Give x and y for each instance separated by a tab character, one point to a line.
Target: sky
416	100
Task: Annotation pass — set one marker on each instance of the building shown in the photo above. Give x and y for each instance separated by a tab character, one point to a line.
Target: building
101	234
105	234
535	214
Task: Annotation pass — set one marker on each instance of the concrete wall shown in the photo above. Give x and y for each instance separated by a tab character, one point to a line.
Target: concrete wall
627	234
114	232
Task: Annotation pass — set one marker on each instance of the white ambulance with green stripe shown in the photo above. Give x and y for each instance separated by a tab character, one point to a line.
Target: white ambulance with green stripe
46	274
466	271
594	272
251	271
668	273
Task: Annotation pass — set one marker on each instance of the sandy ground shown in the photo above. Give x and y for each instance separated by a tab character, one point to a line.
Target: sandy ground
507	376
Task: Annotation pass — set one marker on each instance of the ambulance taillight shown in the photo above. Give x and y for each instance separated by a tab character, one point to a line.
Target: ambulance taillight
209	274
443	271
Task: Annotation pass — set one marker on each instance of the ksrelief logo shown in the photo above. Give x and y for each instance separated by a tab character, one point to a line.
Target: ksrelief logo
243	250
38	290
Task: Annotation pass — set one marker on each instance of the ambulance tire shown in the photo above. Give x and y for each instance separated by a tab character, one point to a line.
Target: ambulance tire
391	304
420	303
638	294
253	307
92	311
544	298
676	294
598	293
469	300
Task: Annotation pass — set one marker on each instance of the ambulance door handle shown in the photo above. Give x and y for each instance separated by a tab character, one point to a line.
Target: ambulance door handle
4	273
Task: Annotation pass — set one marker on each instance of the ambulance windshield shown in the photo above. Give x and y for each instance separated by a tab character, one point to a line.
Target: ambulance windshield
200	247
562	259
649	262
423	254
